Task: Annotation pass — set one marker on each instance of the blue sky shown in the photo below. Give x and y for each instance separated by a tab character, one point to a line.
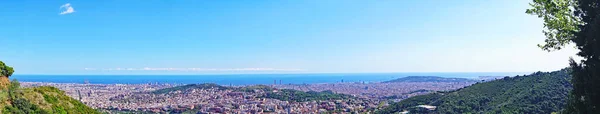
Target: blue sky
272	36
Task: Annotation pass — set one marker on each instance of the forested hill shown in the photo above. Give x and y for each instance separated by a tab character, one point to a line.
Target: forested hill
540	92
282	94
190	86
429	79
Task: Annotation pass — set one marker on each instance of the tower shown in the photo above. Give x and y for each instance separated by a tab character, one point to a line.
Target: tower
79	93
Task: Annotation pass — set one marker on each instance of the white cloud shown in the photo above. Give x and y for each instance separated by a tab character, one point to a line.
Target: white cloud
194	69
66	9
89	69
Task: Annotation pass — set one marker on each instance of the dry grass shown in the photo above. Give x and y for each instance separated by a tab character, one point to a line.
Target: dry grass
4	82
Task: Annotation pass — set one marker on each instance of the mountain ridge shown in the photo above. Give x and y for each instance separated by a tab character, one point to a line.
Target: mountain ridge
429	79
540	92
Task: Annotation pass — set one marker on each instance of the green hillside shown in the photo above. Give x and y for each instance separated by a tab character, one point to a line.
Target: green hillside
40	100
300	96
36	100
540	92
268	92
190	86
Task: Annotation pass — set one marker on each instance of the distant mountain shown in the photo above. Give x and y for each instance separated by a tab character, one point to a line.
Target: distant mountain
429	79
300	96
540	92
190	86
269	92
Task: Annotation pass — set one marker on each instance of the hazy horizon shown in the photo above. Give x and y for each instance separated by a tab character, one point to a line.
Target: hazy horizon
247	79
285	73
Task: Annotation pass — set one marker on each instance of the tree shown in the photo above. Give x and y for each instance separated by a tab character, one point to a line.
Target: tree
575	21
12	89
5	70
560	22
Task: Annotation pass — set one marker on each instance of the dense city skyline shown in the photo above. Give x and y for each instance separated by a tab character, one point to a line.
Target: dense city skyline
142	97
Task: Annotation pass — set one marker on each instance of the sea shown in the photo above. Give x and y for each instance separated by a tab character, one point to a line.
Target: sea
246	79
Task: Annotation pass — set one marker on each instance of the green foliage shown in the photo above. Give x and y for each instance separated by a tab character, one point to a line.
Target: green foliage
5	70
50	99
23	106
26	100
429	79
560	23
409	104
190	86
300	96
576	21
20	105
60	103
585	97
541	92
255	87
294	95
13	88
21	101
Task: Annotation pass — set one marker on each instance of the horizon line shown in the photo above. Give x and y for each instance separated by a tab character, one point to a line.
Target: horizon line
526	72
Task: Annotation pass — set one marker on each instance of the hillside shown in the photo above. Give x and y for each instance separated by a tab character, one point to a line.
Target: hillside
268	92
189	86
36	100
429	79
40	100
300	96
540	92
